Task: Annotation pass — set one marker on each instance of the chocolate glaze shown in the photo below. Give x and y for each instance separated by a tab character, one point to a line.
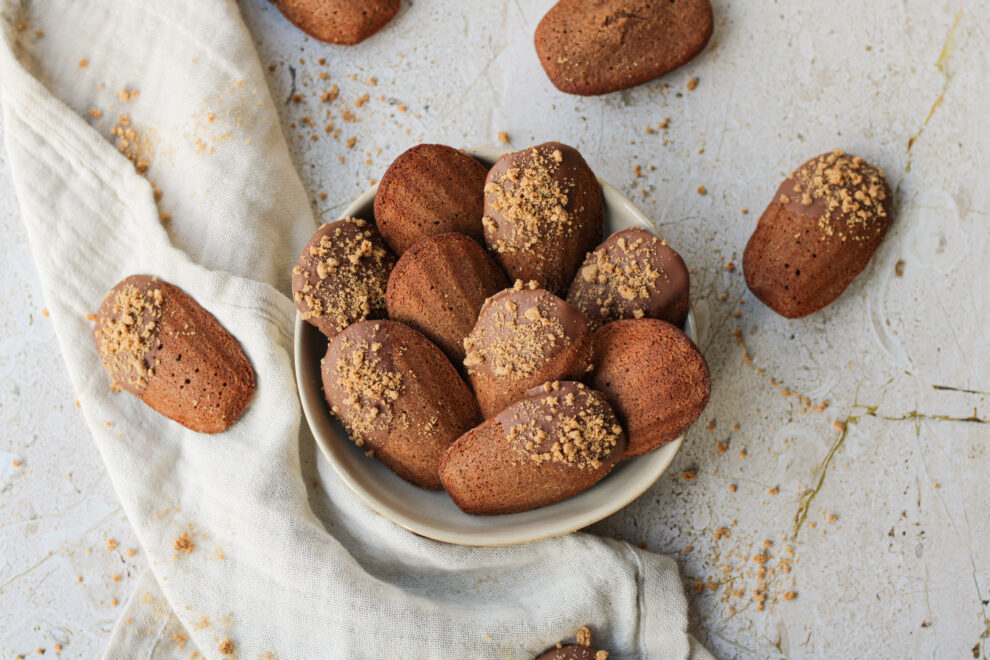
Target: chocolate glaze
647	263
496	323
341	290
550	252
570	652
127	378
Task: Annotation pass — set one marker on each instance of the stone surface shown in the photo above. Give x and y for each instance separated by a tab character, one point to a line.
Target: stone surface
904	559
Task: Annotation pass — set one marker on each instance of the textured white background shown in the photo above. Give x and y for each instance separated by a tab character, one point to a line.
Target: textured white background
892	560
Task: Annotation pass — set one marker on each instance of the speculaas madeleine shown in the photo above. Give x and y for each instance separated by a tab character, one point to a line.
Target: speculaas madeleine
398	396
524	336
344	22
633	274
438	287
598	46
543	213
430	189
819	232
557	441
655	378
341	275
160	345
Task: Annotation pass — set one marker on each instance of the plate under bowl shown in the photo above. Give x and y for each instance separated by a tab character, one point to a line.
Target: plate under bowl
432	513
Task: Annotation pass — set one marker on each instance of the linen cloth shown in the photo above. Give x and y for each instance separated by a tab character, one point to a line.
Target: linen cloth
277	570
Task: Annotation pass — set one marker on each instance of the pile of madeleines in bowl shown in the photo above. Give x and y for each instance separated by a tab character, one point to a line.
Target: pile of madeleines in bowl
484	340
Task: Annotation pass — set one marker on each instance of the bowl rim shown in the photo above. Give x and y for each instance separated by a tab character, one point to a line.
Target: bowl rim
662	456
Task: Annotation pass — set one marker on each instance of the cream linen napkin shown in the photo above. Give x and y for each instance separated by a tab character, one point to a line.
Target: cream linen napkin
274	574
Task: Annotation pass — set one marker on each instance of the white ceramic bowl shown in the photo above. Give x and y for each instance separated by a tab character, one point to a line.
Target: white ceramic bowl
433	513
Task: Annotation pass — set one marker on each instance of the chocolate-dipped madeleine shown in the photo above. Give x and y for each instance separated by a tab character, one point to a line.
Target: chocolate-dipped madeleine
341	275
438	287
398	397
655	378
543	213
819	232
524	336
160	345
557	441
633	274
430	189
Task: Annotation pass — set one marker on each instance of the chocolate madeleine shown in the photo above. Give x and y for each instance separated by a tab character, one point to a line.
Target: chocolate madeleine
543	213
559	440
600	46
398	397
819	232
160	345
524	336
655	378
633	274
344	22
430	189
439	286
341	275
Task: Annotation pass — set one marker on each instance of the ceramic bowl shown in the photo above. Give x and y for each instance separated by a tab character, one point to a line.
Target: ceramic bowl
432	513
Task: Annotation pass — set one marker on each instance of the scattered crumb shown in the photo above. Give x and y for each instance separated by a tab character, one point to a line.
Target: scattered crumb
503	137
15	463
226	647
733	488
832	517
130	552
722	447
112	545
689	475
702	190
83	63
774	491
790	595
584	636
184	543
692	84
839	426
744	211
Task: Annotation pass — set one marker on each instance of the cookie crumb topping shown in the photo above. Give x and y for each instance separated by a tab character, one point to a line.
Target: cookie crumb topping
128	334
848	187
349	284
568	423
515	334
629	276
371	388
532	198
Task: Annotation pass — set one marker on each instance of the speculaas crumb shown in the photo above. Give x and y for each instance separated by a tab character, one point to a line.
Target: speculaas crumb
226	647
128	336
532	200
360	372
571	425
184	543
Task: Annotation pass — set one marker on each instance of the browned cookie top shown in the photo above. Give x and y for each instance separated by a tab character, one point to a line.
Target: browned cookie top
518	330
345	22
430	189
127	328
848	197
341	275
600	46
631	275
565	422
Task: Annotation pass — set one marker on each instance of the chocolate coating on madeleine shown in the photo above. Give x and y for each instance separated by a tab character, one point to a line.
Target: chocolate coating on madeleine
159	344
341	275
397	396
524	336
558	440
565	422
819	232
633	274
438	287
543	213
430	189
